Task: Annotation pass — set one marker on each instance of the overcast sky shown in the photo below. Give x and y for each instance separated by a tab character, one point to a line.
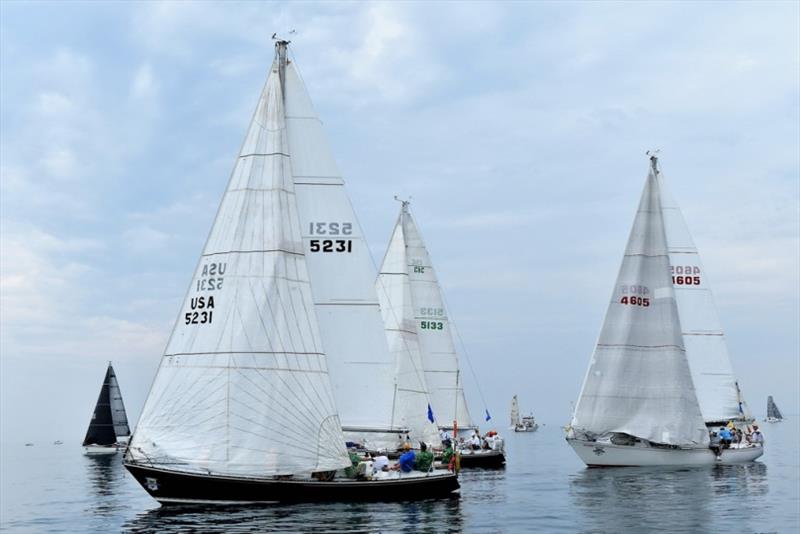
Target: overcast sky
520	131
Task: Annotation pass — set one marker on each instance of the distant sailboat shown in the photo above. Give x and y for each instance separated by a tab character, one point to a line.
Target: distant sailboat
414	293
243	407
640	403
108	429
524	424
773	413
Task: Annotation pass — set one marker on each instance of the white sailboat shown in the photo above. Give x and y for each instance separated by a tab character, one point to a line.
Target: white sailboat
407	269
242	408
773	413
526	423
108	430
639	404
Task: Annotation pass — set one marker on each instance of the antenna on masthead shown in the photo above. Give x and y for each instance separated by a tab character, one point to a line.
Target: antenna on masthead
404	203
653	159
281	45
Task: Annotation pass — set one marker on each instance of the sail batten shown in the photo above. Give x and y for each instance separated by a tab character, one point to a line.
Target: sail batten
243	387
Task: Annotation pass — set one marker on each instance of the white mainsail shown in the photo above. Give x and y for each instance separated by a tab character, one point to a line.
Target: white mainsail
514	411
706	349
118	415
361	366
412	401
439	357
243	386
638	382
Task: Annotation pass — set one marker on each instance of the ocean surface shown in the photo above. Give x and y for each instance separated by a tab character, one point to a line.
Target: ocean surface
544	488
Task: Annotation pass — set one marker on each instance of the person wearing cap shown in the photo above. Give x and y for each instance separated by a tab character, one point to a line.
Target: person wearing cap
757	437
725	437
448	451
424	459
406	461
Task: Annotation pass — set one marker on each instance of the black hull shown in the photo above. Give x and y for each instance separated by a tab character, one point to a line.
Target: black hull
170	487
493	460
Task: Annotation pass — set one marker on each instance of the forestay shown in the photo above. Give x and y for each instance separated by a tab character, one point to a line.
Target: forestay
118	415
439	357
703	338
243	387
339	262
394	293
638	382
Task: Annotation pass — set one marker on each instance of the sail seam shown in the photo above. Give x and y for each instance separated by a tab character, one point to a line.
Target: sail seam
254	252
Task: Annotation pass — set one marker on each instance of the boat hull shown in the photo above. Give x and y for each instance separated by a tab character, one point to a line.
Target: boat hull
170	487
99	450
596	454
486	459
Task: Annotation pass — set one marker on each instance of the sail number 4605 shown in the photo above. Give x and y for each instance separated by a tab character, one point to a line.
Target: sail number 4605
635	301
331	245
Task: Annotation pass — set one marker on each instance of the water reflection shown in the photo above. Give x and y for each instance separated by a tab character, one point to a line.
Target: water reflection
442	515
689	500
105	477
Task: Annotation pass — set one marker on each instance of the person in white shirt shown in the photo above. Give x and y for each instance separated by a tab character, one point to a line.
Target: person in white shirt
757	437
381	463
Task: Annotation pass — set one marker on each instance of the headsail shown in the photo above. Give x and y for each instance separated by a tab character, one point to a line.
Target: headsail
101	427
703	338
772	409
362	368
439	357
243	387
118	415
394	293
514	411
638	382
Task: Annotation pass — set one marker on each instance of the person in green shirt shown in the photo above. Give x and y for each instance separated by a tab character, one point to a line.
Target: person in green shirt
355	459
424	459
448	452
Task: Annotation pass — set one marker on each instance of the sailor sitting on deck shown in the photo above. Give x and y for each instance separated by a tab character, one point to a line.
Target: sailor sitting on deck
757	437
725	437
424	459
475	441
714	444
406	461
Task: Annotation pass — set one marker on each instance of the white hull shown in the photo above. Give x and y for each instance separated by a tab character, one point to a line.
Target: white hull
525	428
596	454
773	420
99	450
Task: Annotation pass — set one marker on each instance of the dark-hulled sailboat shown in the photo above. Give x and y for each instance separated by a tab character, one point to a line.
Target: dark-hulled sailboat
243	408
108	430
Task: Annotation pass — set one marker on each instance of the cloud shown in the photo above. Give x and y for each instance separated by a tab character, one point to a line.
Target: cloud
144	84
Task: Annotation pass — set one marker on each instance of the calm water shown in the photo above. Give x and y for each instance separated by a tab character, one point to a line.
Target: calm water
543	488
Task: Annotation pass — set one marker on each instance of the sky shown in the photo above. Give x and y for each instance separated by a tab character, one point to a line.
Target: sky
519	130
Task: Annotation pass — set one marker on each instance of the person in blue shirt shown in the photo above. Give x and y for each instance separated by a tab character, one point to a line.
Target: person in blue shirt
407	459
725	437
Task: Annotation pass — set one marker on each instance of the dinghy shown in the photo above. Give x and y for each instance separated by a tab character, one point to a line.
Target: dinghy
417	317
108	430
773	413
640	404
524	424
243	408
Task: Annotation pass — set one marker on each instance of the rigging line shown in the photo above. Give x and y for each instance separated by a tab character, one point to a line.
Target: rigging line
277	427
177	409
181	398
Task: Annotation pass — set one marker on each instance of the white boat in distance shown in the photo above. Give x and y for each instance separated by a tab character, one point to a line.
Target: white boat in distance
773	413
645	398
108	430
524	424
243	407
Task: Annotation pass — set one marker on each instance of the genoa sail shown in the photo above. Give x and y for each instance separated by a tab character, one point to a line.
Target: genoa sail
703	337
361	365
639	382
101	427
118	415
514	411
412	401
772	409
439	357
243	387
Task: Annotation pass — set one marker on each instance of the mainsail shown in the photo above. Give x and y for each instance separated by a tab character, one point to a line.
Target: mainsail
772	409
118	415
243	386
412	402
706	349
514	411
339	263
101	427
439	357
638	382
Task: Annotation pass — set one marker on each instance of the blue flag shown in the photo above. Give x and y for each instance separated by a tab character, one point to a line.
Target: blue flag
487	415
430	414
741	410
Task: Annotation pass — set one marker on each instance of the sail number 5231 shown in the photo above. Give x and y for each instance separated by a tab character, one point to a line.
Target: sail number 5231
331	245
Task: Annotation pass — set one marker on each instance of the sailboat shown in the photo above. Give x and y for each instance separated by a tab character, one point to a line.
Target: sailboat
243	407
644	394
408	283
108	430
526	423
773	413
